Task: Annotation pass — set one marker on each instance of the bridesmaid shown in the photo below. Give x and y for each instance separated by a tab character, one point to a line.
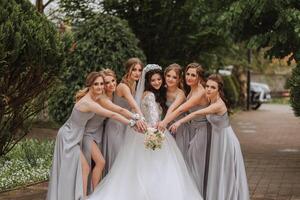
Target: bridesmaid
199	136
227	177
95	132
176	97
70	169
123	97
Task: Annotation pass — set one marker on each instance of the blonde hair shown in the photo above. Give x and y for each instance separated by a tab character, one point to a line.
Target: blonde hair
199	71
108	72
178	71
129	65
90	79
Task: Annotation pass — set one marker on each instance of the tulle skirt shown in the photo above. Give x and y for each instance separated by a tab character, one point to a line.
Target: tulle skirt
144	174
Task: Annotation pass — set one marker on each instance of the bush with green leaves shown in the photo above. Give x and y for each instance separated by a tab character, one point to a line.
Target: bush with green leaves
28	162
31	57
102	41
231	90
295	90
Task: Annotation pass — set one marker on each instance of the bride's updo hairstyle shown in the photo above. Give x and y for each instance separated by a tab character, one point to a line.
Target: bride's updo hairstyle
160	94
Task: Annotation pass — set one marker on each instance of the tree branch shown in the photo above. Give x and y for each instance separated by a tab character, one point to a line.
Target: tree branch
46	4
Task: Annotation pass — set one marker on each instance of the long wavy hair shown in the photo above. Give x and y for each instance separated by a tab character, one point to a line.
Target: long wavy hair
219	80
129	65
161	93
178	71
89	81
200	73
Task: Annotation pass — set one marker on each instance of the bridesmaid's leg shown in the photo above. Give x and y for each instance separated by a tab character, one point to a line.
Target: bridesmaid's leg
85	172
99	164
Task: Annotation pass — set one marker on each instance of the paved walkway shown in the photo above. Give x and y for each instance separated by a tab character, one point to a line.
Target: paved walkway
270	140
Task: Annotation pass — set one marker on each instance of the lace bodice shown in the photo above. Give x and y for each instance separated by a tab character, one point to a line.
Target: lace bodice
151	110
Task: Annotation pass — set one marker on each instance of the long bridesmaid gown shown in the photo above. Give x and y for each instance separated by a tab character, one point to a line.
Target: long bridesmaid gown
182	135
66	174
227	177
94	132
199	150
114	135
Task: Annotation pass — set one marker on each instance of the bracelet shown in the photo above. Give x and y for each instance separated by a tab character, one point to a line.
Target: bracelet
138	117
131	123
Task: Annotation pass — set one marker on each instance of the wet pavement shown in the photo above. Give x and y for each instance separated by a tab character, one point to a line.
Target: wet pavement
270	141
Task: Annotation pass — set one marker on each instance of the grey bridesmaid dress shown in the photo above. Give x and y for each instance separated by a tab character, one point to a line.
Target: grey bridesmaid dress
227	177
182	135
66	174
93	132
114	135
199	150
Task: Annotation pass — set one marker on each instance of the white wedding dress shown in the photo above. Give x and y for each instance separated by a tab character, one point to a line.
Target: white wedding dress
143	174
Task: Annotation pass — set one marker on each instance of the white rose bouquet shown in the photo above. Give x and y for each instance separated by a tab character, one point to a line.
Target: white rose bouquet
153	138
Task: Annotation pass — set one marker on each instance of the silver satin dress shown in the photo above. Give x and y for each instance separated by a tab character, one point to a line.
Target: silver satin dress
93	133
199	150
227	177
114	135
66	174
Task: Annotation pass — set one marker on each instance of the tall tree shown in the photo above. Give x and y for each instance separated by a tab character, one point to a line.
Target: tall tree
163	27
41	5
102	41
273	24
31	57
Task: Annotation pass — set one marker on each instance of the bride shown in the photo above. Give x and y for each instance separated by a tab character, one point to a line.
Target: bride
143	174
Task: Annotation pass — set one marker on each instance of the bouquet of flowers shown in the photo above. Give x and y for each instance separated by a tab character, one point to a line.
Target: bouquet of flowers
153	138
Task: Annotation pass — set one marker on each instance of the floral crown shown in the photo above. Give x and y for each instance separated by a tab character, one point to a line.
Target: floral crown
150	67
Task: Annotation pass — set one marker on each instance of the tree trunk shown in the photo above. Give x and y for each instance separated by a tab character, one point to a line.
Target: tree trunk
39	6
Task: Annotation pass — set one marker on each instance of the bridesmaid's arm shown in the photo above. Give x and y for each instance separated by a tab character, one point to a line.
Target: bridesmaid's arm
99	110
181	109
212	109
108	104
126	93
180	98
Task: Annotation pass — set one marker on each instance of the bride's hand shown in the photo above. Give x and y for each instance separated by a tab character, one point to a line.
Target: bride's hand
141	125
173	128
161	126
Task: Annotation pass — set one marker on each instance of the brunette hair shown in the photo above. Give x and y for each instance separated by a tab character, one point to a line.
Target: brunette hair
90	79
219	80
129	65
199	71
160	94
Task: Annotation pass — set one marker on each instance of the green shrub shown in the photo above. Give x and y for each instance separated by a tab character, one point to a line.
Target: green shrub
103	41
231	90
295	90
28	162
31	57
